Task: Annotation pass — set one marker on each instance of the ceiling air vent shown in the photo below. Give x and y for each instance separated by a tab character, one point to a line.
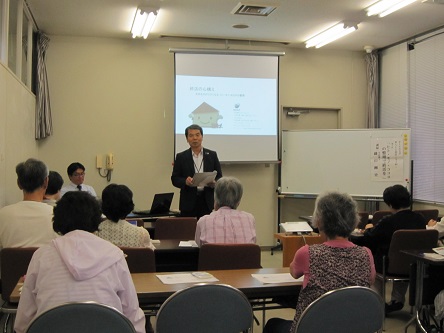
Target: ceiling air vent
255	10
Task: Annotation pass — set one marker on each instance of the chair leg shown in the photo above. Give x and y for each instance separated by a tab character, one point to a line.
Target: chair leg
6	325
384	281
383	289
406	327
278	246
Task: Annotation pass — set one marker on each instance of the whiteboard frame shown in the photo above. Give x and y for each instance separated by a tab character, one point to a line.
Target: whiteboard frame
314	161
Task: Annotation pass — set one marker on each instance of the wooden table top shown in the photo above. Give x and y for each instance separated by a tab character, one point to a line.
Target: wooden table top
151	290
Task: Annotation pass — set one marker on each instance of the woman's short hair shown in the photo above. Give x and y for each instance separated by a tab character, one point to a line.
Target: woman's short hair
55	183
335	214
228	192
117	202
76	210
31	174
397	197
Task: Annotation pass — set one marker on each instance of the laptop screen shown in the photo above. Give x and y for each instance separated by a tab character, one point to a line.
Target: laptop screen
161	203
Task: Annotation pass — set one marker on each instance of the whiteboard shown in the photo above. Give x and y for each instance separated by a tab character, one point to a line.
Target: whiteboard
360	162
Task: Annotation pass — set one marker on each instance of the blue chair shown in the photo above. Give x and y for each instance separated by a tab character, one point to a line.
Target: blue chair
204	308
85	317
346	310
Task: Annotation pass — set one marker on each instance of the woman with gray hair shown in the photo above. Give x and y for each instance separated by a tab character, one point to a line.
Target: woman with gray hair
336	263
226	224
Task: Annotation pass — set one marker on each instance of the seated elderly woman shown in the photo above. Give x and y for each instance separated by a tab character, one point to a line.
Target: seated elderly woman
335	216
117	203
78	266
226	224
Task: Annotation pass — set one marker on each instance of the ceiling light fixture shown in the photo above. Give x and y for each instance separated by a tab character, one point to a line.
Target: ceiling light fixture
143	22
386	7
337	31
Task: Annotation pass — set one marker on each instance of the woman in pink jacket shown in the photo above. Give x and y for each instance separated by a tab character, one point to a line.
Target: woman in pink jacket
79	266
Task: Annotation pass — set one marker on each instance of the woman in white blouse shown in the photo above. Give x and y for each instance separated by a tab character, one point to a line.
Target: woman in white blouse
117	203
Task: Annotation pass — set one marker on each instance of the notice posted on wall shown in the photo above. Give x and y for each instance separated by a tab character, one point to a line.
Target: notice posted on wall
387	159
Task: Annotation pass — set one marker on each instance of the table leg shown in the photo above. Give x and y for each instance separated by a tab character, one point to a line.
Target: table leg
420	267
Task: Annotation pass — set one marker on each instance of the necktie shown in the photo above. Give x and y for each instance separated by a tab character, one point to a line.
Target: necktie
79	187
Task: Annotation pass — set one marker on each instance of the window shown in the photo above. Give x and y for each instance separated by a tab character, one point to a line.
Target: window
426	118
12	35
25	32
412	95
16	39
3	20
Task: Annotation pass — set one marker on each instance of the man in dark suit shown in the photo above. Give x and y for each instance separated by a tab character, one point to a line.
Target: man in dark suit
195	201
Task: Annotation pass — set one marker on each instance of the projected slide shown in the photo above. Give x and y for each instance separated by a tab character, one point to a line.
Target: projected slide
234	98
227	106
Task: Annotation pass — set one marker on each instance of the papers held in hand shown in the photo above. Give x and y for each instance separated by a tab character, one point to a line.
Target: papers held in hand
203	178
296	227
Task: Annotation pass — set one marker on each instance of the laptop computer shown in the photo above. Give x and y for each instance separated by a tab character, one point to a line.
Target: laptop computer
296	227
160	206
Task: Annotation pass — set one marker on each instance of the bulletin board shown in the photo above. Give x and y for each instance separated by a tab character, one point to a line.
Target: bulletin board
360	162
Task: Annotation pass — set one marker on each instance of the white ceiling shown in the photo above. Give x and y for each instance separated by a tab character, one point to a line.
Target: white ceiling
292	22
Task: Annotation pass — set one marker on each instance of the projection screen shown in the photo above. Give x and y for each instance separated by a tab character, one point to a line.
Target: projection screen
234	98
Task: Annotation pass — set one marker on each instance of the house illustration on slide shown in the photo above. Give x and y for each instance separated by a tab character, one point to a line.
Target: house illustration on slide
206	116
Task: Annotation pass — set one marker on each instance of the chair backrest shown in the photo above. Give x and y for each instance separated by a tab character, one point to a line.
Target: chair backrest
14	264
140	259
85	317
421	239
214	308
229	256
346	310
363	220
429	214
379	214
183	228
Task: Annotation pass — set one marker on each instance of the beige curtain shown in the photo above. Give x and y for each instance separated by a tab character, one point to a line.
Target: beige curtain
371	60
372	120
43	118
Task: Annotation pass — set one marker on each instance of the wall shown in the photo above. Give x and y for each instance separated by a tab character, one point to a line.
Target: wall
115	95
17	142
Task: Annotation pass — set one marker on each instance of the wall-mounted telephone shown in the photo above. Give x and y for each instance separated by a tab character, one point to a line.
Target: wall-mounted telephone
109	161
99	162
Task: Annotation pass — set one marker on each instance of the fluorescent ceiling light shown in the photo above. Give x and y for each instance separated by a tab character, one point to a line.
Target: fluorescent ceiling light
143	22
330	35
386	7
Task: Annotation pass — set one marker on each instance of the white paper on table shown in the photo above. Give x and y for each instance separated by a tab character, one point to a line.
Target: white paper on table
276	278
439	250
203	178
434	256
184	278
189	243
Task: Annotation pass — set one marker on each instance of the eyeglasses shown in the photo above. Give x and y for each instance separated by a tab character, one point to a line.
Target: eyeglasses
75	174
